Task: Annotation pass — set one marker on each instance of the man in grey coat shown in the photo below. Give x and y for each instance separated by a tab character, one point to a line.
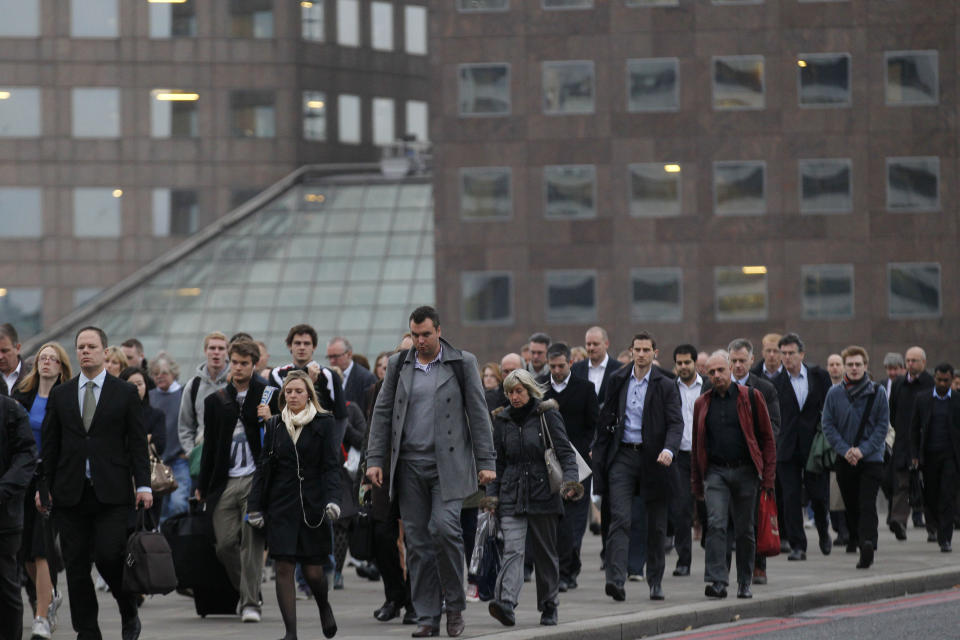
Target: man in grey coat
430	437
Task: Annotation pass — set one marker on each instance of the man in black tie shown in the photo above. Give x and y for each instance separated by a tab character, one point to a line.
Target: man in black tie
94	454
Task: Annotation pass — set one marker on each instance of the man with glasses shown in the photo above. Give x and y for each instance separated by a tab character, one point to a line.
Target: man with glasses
355	378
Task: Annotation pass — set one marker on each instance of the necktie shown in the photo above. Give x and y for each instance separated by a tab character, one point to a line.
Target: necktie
89	405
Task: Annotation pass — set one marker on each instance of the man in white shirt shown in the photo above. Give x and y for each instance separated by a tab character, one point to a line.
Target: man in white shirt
772	363
680	501
11	366
598	365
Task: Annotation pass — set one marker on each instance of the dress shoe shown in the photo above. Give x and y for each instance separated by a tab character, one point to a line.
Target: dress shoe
502	611
759	576
716	590
898	530
866	555
410	615
130	629
327	622
681	571
562	586
945	547
549	616
616	592
425	631
784	546
527	575
932	537
595	528
826	544
455	623
388	611
841	541
572	583
656	591
797	554
743	591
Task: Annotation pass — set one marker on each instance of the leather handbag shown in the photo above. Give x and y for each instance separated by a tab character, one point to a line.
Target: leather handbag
148	562
361	541
162	480
554	470
768	527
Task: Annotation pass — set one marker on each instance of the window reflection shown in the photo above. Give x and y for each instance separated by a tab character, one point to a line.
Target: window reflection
570	191
824	79
173	20
23	308
571	296
381	26
175	212
415	29
94	19
21	212
253	114
656	294
349	116
96	113
653	84
173	113
912	78
654	189
96	213
486	297
348	23
827	291
383	117
913	184
484	89
825	186
568	87
251	18
20	112
21	18
741	293
567	4
738	188
312	21
314	115
417	120
466	6
485	193
738	82
914	289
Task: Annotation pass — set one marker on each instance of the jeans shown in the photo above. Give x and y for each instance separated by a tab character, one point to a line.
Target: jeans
177	502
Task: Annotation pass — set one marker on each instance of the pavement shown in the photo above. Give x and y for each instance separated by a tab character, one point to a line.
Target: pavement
900	568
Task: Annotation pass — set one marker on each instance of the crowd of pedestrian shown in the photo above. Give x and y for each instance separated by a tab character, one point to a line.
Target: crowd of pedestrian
545	443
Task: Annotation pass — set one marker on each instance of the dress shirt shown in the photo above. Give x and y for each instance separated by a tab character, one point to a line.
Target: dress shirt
801	385
426	367
688	396
774	374
346	374
559	386
595	373
636	394
889	388
937	396
13	378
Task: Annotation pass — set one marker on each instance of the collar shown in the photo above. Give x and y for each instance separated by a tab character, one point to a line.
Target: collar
731	390
697	382
98	380
426	367
346	372
800	376
174	387
564	383
939	397
743	381
772	373
602	365
633	374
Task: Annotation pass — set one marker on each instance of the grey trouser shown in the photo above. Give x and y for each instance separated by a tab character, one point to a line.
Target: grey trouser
730	492
434	541
900	500
543	539
239	546
625	480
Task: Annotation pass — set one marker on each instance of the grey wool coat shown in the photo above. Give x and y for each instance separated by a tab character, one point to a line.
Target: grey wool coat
462	431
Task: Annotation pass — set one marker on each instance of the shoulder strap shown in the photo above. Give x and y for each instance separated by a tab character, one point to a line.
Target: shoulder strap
866	414
400	363
458	372
753	410
194	390
547	438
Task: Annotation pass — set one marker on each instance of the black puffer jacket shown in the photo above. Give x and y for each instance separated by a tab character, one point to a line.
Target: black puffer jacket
522	486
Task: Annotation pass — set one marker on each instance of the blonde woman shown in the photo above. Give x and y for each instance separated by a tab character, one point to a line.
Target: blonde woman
115	361
295	493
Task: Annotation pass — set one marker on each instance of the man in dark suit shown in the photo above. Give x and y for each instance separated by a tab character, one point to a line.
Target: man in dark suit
356	378
11	366
579	409
801	391
638	437
94	454
935	449
598	366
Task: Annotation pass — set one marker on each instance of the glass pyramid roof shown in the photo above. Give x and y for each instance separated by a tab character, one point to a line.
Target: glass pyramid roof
349	253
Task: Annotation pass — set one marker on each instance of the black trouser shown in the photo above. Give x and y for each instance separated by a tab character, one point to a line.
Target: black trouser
468	522
859	486
680	505
939	488
11	604
794	478
387	556
90	524
573	525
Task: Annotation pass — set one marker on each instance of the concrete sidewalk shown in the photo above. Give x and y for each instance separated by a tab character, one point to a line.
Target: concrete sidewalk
901	567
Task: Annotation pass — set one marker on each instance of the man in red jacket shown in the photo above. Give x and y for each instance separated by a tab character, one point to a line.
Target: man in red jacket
733	453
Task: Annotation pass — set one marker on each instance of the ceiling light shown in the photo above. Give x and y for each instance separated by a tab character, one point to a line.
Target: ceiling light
3	292
4	95
166	1
671	168
801	63
754	271
189	291
305	4
315	104
117	193
176	96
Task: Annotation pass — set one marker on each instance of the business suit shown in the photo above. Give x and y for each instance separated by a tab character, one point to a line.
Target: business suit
431	487
581	370
939	465
797	428
92	512
355	388
622	471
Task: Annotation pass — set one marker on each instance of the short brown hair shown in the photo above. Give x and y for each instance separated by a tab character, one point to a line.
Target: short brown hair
245	349
213	335
300	329
644	335
854	350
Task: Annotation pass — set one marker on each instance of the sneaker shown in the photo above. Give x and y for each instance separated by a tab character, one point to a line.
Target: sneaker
99	582
250	614
473	593
54	608
635	577
41	628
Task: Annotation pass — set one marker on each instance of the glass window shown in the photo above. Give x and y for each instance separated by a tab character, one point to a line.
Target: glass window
739	188
656	294
484	89
570	191
418	124
568	87
20	112
571	296
94	19
826	185
914	289
476	6
173	113
173	20
566	4
383	128
485	193
486	297
82	295
827	291
654	189
23	308
96	212
314	115
653	84
96	113
824	79
21	18
415	30
381	26
253	114
348	108
741	293
653	3
21	212
912	78
721	2
312	23
913	184
175	212
738	82
348	23
251	18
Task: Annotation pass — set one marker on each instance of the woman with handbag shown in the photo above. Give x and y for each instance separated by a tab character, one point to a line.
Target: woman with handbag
154	424
532	445
51	366
296	489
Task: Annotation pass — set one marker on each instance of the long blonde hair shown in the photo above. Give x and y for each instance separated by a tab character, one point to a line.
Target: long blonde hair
296	374
32	380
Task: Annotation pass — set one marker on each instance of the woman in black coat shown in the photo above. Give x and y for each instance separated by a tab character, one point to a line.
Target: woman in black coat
302	442
522	496
154	424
